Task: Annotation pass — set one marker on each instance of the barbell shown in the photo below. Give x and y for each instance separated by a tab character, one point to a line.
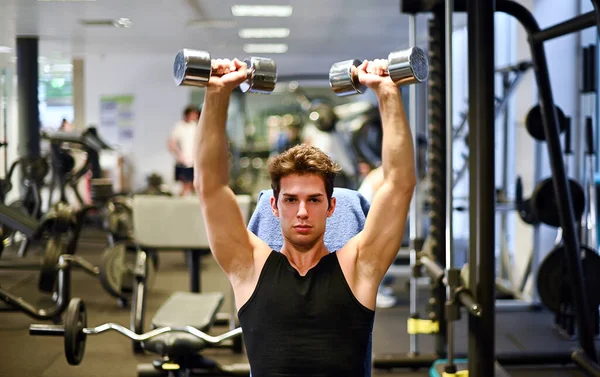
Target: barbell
75	331
405	67
194	68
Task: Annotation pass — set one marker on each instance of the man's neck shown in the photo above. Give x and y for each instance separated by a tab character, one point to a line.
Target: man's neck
304	260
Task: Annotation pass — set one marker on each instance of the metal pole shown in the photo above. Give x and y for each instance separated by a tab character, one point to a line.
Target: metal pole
482	184
414	211
449	6
27	83
437	167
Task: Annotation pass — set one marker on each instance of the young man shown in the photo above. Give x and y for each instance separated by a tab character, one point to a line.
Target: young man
304	311
181	145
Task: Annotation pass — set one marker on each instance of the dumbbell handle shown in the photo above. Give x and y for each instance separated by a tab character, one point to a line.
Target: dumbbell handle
59	330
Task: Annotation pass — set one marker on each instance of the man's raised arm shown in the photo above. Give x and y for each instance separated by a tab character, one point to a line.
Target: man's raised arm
381	238
228	238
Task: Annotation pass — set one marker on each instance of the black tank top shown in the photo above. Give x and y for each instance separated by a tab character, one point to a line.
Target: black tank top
309	326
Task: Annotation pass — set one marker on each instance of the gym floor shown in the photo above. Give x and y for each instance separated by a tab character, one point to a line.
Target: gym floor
110	354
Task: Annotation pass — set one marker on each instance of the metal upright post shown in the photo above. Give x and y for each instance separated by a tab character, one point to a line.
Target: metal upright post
27	84
482	184
449	239
414	225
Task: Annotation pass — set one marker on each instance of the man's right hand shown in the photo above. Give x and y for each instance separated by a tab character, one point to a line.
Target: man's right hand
227	75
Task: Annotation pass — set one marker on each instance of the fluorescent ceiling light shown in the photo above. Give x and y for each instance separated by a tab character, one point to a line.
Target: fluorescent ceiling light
5	50
261	10
64	1
265	48
264	33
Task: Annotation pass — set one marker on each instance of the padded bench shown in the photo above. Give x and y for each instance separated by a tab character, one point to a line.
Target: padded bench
180	310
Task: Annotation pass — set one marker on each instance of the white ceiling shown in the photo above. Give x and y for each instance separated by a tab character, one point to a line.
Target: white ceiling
322	31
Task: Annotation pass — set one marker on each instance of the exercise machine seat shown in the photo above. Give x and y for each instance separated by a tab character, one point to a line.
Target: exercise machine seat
182	309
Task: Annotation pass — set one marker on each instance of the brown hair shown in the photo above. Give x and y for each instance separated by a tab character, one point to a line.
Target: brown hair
303	159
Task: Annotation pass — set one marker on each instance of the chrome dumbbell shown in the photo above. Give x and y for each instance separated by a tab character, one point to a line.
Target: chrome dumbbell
194	68
405	67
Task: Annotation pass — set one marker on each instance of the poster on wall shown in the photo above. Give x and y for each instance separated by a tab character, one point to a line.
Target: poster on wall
116	119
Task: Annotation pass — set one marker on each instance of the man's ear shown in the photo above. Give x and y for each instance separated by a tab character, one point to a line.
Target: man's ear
332	203
274	206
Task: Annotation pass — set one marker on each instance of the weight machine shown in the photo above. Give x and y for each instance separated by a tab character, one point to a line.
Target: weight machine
474	288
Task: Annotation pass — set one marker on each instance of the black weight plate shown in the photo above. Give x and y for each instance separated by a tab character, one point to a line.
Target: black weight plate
54	249
75	322
543	202
535	125
553	283
113	270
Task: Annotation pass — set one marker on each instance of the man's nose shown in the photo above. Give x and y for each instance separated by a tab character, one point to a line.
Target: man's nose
302	212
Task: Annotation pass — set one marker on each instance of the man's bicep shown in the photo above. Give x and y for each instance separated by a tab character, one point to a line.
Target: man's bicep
226	230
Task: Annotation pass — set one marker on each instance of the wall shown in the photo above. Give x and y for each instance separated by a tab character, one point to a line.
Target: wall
158	104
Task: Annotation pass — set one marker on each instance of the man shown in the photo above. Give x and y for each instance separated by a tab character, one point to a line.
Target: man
304	311
181	145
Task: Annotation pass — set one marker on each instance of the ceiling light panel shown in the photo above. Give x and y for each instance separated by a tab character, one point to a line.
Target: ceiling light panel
265	48
262	10
264	33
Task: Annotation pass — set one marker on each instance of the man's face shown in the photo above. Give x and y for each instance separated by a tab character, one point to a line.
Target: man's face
194	116
302	209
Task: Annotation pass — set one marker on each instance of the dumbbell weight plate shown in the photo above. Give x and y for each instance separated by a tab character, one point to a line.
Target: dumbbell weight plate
343	78
54	249
113	270
192	67
262	76
75	322
408	66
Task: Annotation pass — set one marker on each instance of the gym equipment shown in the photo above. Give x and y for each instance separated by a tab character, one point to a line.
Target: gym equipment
194	68
405	67
481	26
180	320
588	92
175	236
524	207
87	141
509	86
116	272
553	284
545	207
75	330
534	124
